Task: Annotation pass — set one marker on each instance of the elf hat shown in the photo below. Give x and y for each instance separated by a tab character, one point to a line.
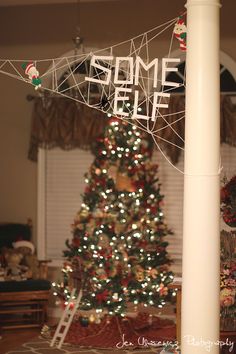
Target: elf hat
27	67
180	21
23	243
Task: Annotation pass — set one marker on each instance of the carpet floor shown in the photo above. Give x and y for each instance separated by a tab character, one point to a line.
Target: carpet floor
127	333
41	345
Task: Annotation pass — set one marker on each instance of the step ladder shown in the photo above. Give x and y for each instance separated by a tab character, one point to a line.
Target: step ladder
66	319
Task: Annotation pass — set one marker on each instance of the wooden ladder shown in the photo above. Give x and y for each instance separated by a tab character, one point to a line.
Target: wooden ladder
66	319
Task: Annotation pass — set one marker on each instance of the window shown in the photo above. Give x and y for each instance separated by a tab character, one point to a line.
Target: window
61	182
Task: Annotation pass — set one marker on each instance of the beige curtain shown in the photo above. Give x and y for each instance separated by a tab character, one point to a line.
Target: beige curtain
67	124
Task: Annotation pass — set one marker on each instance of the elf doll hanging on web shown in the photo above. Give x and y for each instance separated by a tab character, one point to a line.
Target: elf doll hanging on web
180	32
33	74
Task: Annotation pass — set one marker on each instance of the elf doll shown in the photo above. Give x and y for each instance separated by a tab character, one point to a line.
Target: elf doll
180	32
33	74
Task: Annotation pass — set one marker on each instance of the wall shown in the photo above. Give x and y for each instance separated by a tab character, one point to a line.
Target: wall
45	32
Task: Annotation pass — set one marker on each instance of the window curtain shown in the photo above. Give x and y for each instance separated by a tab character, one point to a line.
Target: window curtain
64	123
61	122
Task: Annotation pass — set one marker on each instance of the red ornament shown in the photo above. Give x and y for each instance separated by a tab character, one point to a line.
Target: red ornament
107	267
106	252
153	209
76	242
119	269
125	281
143	244
92	272
101	297
139	184
100	140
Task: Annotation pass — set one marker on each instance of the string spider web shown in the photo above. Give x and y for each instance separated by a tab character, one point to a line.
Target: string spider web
70	77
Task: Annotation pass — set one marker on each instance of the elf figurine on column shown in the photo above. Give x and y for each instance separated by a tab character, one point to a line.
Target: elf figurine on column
180	32
33	74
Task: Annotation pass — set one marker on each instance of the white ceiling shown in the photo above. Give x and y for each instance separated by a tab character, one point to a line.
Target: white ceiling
41	2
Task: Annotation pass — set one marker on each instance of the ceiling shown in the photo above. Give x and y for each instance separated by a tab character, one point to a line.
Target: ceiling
7	3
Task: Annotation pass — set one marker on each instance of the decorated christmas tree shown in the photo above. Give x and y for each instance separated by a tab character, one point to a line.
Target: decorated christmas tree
118	250
228	256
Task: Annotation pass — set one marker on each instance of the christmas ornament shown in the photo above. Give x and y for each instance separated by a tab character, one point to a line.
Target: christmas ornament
84	213
101	297
84	321
106	252
98	213
180	32
112	272
125	281
76	242
152	272
98	171
139	273
45	332
163	290
119	228
103	241
101	274
92	318
227	297
98	319
112	172
78	225
33	74
115	296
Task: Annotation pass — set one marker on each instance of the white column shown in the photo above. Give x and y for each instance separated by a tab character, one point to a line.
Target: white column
201	256
41	204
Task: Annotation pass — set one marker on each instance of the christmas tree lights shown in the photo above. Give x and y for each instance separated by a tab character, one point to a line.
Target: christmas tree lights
118	242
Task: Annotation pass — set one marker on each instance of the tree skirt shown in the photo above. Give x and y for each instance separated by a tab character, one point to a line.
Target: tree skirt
122	333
